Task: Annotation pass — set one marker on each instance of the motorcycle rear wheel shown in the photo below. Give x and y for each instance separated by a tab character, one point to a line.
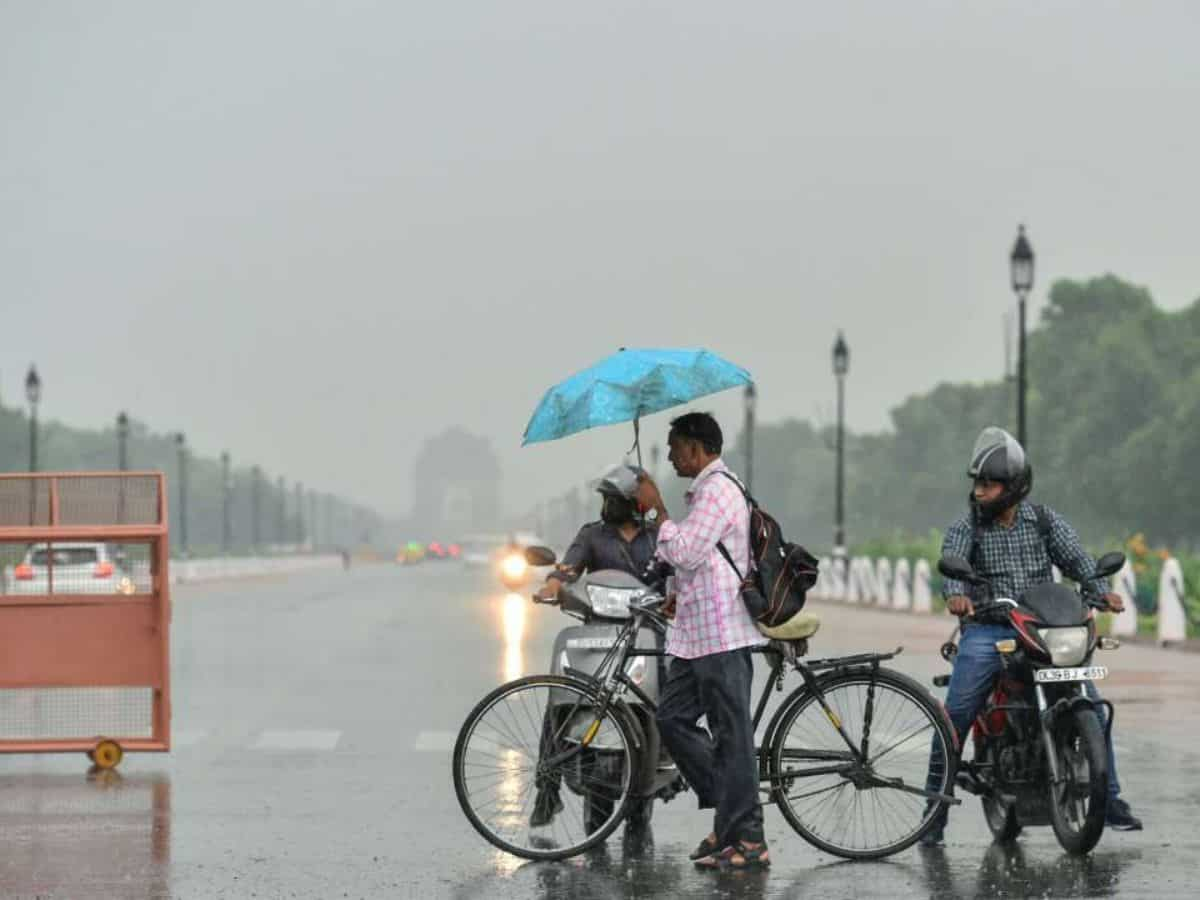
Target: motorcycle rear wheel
1078	805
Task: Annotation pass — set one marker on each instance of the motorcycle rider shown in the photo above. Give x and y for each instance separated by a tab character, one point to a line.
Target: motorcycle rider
621	540
1013	543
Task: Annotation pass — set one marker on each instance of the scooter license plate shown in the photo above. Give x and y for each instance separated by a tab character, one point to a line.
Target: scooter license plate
1084	673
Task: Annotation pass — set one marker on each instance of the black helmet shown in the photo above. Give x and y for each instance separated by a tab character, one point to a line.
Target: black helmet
618	486
998	456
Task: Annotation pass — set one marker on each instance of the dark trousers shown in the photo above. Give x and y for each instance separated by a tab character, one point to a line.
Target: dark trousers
721	768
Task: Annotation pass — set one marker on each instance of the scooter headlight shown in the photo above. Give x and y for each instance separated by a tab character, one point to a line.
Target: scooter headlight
612	603
1067	646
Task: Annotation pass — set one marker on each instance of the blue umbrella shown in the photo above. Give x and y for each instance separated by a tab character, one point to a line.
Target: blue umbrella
628	385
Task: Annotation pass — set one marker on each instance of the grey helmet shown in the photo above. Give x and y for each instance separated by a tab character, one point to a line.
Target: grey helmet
998	456
618	486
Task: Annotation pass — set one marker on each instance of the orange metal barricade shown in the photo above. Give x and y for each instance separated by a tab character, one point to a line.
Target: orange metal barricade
85	613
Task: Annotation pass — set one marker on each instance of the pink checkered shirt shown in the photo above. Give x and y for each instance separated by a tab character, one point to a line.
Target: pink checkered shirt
710	616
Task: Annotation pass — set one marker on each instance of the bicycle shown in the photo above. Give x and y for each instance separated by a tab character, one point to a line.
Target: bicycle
822	759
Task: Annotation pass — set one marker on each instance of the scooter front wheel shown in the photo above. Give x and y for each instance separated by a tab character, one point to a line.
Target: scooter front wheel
534	762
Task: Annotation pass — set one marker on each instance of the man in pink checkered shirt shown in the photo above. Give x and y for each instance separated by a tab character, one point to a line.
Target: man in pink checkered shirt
710	644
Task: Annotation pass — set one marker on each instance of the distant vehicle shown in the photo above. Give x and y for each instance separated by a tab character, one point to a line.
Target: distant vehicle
410	553
79	568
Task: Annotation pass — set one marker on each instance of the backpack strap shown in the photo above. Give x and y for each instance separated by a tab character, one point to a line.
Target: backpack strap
1044	525
741	487
729	559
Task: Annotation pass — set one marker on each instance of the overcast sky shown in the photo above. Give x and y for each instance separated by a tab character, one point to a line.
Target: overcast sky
315	233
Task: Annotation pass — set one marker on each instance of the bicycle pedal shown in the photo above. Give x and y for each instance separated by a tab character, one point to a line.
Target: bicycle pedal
969	783
941	680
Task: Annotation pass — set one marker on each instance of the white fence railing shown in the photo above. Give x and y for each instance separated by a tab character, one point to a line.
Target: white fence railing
907	586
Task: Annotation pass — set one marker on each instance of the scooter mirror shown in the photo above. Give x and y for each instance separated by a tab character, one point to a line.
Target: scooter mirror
540	556
1110	564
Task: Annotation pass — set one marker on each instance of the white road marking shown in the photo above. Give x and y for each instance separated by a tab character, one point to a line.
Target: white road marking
297	740
435	741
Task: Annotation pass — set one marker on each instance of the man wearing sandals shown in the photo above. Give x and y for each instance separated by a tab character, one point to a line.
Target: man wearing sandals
710	646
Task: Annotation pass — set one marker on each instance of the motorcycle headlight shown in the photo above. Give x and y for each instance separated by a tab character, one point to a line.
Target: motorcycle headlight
513	566
1067	646
612	603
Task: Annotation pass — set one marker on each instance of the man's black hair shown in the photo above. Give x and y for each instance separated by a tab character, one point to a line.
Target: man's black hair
702	427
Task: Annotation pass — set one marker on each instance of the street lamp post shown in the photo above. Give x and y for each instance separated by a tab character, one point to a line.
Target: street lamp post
1021	265
841	365
299	514
751	398
255	506
226	496
122	442
281	511
33	393
181	448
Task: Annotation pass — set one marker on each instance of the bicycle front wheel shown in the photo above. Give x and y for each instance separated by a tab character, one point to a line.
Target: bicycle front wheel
868	804
538	773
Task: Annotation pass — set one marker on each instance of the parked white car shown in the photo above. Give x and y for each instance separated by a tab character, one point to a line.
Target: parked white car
79	568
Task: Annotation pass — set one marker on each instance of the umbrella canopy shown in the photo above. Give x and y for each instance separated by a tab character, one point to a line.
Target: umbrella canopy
628	385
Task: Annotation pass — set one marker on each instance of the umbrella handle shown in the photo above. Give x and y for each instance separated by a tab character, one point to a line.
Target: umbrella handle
637	439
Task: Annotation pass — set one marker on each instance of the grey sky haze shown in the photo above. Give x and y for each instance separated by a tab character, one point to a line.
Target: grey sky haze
316	233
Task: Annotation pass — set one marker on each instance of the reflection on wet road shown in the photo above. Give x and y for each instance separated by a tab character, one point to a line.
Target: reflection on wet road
314	723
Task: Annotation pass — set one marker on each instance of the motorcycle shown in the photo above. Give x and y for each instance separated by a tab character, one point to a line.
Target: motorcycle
1039	746
600	600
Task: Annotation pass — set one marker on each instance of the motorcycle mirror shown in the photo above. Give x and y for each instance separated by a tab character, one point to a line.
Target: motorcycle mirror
1109	564
957	568
540	556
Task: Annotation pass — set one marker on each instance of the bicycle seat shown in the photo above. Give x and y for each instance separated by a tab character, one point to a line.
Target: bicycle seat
800	626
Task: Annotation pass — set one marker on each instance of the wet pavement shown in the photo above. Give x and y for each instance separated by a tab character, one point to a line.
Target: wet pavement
313	720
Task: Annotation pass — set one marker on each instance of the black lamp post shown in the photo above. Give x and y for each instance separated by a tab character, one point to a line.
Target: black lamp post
841	365
281	511
1021	263
751	398
299	514
122	442
226	496
255	506
33	393
182	455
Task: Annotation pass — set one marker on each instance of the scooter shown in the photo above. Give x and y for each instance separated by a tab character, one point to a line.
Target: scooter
600	600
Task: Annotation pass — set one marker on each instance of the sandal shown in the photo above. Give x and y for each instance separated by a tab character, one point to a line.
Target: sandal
751	858
706	847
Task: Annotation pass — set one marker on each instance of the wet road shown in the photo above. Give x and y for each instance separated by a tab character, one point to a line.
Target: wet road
313	720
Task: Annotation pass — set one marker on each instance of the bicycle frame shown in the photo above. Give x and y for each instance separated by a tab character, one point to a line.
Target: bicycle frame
609	681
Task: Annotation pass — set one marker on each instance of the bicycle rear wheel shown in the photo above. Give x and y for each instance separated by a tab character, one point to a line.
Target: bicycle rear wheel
852	809
537	774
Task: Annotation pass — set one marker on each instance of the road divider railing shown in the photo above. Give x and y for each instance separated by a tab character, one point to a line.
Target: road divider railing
85	614
908	587
220	568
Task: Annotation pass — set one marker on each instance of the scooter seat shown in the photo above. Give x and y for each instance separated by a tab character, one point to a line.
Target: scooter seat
800	626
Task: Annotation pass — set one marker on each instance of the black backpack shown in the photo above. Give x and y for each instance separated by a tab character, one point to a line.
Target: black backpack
780	572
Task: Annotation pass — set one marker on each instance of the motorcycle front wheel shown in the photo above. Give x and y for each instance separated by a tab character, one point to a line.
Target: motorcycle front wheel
1079	802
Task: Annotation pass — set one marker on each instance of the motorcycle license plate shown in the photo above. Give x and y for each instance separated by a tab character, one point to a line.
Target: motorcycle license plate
1084	673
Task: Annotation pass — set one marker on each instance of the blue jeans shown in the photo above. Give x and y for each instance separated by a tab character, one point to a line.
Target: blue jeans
975	670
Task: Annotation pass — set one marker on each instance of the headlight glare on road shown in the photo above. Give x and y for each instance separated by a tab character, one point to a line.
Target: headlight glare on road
1067	646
